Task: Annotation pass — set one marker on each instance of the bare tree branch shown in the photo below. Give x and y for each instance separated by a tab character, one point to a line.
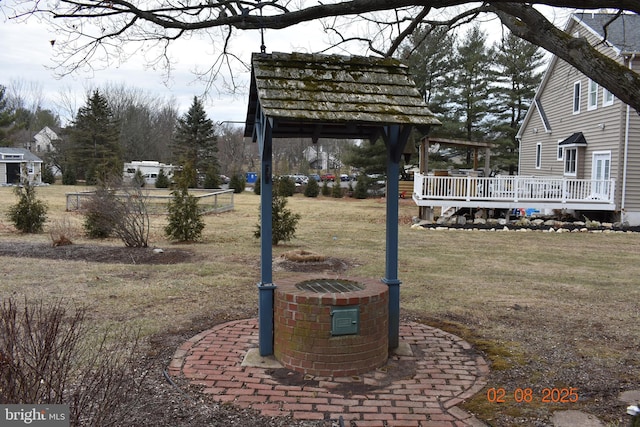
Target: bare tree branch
101	30
527	23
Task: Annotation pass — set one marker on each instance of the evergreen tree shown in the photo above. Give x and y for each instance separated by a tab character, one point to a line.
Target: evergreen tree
286	186
362	185
162	181
474	65
30	213
195	139
325	188
368	158
429	58
336	190
47	174
6	115
283	221
237	183
95	147
470	103
184	222
312	189
212	178
516	78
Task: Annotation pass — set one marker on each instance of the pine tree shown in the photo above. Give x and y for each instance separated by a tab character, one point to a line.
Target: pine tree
429	58
162	181
360	191
367	157
312	189
195	140
6	115
283	221
474	65
517	77
184	222
30	213
470	102
95	147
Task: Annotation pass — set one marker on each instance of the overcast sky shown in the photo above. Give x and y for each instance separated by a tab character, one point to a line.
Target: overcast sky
26	52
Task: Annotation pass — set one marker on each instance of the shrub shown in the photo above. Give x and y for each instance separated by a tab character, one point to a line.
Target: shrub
138	179
283	223
313	189
47	174
188	176
185	221
336	190
212	178
97	223
286	186
29	214
325	188
162	181
256	187
124	215
49	355
61	232
237	183
360	191
69	177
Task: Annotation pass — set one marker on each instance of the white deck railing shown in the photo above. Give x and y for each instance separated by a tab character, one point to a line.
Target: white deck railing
513	190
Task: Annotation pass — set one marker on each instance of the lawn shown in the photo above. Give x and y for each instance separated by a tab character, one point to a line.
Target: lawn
549	310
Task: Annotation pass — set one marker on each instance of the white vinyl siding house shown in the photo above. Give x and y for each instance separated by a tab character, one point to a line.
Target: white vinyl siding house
611	131
592	96
579	145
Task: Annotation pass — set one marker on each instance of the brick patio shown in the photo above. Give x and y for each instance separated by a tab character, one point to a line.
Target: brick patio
418	390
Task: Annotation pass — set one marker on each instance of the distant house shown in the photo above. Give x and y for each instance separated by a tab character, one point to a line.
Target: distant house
43	140
579	145
19	162
579	130
320	159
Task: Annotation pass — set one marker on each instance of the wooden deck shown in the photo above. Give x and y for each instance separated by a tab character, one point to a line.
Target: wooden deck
510	192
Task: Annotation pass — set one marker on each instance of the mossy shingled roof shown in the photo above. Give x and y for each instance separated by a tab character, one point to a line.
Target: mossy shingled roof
333	96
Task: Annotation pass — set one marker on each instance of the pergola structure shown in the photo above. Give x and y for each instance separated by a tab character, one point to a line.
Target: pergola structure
329	96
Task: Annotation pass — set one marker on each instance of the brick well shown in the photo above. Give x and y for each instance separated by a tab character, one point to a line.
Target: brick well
303	339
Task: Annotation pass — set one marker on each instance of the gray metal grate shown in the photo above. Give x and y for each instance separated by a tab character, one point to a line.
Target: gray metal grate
334	286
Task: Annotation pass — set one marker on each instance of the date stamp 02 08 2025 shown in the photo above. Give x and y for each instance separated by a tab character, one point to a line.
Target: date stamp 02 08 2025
546	395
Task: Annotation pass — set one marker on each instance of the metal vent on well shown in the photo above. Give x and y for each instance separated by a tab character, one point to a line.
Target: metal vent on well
335	286
345	320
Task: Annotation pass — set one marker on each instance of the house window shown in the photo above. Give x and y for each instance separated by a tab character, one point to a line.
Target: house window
576	97
570	161
538	155
607	97
560	156
592	100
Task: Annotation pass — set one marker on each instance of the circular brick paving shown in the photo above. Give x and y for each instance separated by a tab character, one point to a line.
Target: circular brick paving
421	389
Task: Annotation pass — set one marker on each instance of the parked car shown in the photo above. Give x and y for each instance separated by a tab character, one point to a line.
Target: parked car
328	177
314	176
344	177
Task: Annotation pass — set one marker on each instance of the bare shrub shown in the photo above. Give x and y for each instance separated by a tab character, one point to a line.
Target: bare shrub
119	210
62	232
48	355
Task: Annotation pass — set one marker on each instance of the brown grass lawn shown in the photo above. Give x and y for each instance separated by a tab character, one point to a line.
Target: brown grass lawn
548	309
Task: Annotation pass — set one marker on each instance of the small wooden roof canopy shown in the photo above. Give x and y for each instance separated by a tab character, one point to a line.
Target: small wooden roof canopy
330	96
